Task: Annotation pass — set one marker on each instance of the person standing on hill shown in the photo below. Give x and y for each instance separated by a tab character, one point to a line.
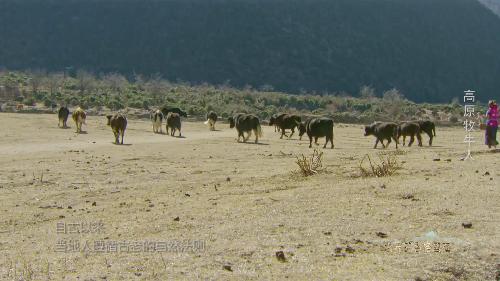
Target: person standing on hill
491	124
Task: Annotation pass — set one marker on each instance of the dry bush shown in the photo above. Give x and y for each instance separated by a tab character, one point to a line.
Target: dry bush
387	166
312	165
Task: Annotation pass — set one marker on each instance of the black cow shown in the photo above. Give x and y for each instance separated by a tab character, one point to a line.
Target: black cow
211	119
317	128
429	128
167	110
285	121
410	129
174	123
383	131
273	119
118	124
246	123
63	114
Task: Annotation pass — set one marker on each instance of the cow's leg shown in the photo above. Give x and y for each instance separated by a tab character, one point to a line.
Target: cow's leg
412	139
388	142
419	139
404	140
396	141
180	135
123	133
249	135
331	140
282	133
256	135
293	131
316	140
324	146
117	136
430	139
310	141
376	143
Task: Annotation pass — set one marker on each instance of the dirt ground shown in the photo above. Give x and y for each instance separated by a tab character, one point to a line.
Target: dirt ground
210	208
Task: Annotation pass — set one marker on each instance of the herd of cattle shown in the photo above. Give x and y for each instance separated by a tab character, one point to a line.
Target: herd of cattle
317	127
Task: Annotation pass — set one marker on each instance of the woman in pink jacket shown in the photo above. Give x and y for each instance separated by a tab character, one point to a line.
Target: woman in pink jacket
491	124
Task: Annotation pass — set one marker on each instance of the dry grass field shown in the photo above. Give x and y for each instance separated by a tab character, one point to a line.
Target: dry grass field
77	207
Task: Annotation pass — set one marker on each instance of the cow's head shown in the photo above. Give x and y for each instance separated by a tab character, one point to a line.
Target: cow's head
302	128
183	113
109	119
369	130
231	122
272	121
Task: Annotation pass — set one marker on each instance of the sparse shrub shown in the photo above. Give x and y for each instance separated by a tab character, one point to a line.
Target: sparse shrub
312	165
387	166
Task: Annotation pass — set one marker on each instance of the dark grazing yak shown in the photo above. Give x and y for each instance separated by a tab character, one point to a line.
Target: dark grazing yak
63	114
284	122
318	128
174	123
211	119
166	110
246	123
410	129
429	128
118	123
383	131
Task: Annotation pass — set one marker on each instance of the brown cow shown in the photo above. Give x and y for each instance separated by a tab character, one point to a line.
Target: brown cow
79	117
118	124
174	123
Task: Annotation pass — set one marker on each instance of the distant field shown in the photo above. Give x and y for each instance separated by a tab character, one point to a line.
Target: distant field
235	205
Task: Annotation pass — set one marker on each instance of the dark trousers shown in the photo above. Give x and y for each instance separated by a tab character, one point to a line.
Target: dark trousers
491	135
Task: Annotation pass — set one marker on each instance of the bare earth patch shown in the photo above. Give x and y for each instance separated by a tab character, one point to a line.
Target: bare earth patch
204	207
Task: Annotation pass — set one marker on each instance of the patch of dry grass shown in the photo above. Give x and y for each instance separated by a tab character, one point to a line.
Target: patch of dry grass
311	165
388	165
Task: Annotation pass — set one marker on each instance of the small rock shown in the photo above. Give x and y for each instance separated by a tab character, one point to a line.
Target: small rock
383	186
280	256
94	203
151	205
187	194
381	234
338	249
349	249
327	233
228	179
177	219
436	159
227	267
69	207
467	224
486	174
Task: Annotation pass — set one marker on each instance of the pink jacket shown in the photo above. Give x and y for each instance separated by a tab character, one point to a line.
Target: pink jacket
492	116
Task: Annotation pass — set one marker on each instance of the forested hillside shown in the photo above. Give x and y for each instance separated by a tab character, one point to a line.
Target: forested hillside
431	50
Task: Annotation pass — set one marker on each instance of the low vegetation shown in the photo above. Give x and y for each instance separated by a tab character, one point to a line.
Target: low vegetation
387	165
311	165
38	90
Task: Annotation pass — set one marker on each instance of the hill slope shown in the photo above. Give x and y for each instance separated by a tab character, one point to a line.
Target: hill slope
493	5
426	48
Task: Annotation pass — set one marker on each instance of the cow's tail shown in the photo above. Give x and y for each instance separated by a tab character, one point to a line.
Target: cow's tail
258	131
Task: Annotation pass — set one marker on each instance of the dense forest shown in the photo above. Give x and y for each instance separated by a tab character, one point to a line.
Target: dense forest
430	50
